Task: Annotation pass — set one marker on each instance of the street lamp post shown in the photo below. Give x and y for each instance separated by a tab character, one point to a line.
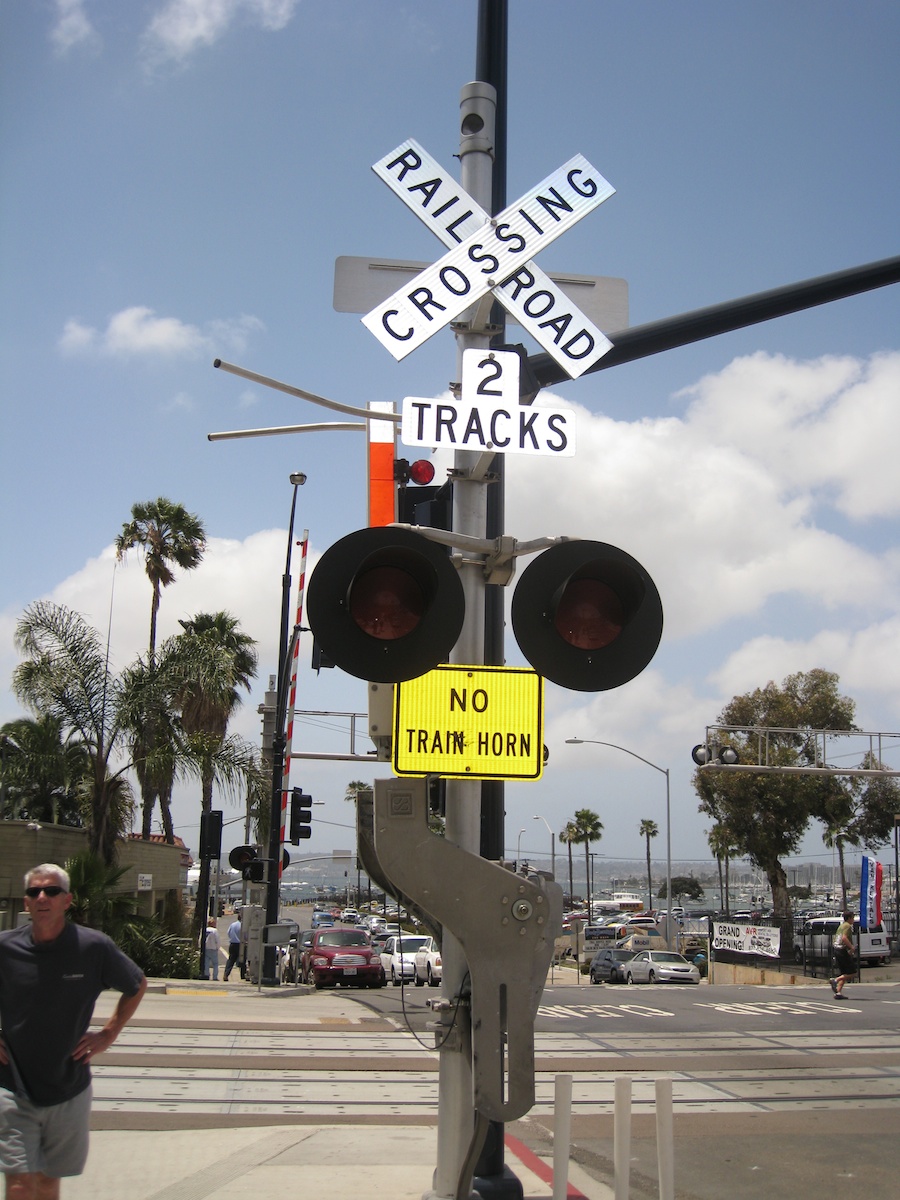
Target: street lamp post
552	845
519	848
279	743
662	771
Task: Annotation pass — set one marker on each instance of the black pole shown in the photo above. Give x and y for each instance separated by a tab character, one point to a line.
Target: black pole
493	1178
701	323
279	745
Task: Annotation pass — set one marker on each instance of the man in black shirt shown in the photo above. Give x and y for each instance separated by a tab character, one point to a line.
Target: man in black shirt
51	973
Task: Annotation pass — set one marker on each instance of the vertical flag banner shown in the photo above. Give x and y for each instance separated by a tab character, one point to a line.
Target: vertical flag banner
871	879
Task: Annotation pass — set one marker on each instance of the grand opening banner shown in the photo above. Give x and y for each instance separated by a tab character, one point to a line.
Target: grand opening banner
747	939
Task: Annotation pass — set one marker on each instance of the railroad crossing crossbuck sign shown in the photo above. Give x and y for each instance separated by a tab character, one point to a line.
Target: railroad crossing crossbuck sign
490	254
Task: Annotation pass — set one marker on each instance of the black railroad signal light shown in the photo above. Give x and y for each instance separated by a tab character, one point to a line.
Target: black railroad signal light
587	616
301	816
385	604
246	860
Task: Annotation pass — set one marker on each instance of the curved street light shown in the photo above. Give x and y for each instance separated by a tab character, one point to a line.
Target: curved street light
552	844
662	771
519	848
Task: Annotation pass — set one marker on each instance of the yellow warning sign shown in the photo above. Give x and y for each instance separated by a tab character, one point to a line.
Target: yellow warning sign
478	722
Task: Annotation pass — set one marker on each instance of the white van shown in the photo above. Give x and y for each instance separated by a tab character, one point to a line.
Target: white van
816	939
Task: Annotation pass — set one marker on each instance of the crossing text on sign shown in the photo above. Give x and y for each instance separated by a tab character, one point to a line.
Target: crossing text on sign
488	257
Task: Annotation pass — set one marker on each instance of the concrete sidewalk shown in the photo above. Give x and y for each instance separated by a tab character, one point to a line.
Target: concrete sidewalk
363	1161
366	1162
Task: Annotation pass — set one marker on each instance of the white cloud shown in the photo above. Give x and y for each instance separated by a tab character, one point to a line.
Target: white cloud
139	331
72	27
743	499
827	427
182	27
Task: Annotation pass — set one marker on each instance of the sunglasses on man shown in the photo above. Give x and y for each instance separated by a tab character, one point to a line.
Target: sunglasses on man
33	892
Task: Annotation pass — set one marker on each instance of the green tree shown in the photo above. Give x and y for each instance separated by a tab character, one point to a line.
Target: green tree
65	675
206	665
768	814
43	772
682	886
568	837
153	731
648	830
588	829
859	811
721	842
169	536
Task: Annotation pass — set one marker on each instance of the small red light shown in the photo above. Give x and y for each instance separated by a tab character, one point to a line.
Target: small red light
589	614
421	471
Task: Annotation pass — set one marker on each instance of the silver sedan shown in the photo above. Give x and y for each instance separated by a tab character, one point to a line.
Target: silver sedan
660	966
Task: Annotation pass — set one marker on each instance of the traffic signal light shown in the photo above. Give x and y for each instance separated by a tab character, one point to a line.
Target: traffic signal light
301	816
587	616
211	834
246	860
385	604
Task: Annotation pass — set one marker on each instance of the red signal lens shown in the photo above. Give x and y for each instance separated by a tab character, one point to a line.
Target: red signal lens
421	471
386	603
589	614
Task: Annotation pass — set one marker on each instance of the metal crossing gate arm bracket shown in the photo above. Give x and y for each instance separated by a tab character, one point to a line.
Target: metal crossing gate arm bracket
506	924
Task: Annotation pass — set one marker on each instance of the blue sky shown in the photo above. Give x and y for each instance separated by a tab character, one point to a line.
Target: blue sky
178	177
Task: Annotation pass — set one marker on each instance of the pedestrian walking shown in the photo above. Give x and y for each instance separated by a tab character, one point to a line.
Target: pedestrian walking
51	973
234	948
844	955
211	946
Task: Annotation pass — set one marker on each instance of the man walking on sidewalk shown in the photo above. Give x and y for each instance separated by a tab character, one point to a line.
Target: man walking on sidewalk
51	973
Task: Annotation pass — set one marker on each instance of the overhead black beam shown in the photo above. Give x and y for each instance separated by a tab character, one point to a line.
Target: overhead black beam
644	340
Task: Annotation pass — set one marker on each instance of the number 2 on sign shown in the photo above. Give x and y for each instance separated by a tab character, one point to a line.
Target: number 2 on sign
490	376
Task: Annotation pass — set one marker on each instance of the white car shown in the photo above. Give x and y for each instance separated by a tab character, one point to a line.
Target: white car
660	966
350	916
428	964
398	957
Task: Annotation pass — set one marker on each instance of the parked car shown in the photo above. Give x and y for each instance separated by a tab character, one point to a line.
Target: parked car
660	966
290	958
428	964
341	956
608	965
398	957
816	939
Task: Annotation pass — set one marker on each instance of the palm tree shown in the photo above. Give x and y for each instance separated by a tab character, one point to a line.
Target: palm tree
721	842
154	734
568	837
207	663
43	771
168	534
66	676
354	787
648	830
589	828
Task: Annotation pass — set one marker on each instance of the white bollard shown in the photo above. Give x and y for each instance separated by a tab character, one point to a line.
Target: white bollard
665	1139
562	1134
622	1137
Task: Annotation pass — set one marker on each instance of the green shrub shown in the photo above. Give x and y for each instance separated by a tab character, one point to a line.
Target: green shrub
160	954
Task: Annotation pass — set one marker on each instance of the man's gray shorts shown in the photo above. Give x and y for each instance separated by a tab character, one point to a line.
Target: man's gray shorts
53	1140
